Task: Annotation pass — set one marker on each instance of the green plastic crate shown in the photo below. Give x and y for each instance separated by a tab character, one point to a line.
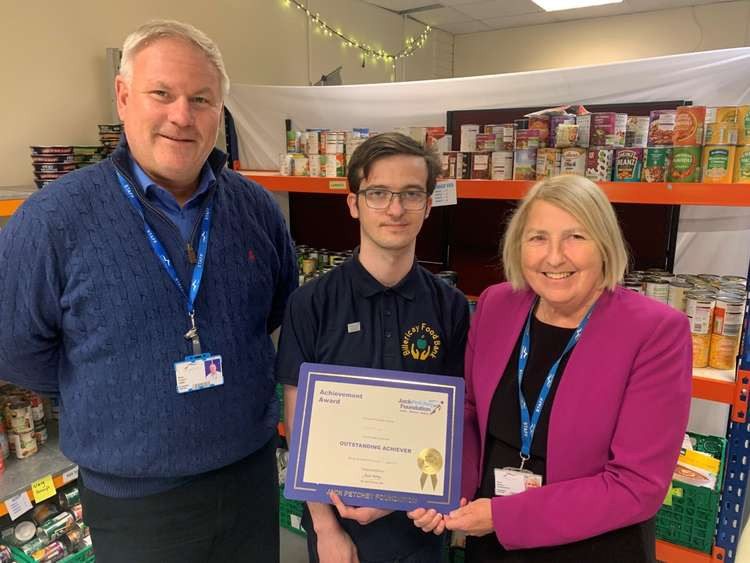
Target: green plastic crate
86	555
691	520
290	513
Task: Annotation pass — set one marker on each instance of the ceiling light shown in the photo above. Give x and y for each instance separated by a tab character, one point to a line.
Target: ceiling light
557	5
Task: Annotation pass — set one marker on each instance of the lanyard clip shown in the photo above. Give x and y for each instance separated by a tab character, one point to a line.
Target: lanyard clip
524	459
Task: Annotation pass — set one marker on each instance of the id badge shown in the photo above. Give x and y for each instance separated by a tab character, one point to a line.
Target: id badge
198	372
511	481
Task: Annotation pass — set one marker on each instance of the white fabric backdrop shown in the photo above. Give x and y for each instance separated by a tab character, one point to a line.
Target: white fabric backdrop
707	241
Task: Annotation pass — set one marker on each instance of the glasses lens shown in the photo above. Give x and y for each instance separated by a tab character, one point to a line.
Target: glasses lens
413	200
377	199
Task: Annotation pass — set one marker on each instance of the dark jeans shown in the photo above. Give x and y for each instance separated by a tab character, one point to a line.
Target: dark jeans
224	516
430	554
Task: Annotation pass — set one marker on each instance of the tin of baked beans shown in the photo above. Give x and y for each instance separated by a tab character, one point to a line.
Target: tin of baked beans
56	526
573	161
628	164
721	133
686	164
718	164
688	126
742	166
23	444
547	163
599	164
656	163
502	165
699	309
18	413
678	291
52	552
725	335
524	164
656	288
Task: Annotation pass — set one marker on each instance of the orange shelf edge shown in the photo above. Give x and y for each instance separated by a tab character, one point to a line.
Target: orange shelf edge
58	482
713	390
8	206
665	193
673	553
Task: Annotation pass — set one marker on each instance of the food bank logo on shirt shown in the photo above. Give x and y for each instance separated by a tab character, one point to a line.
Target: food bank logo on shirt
421	342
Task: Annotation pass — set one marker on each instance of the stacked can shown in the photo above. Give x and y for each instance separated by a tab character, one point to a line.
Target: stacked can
313	263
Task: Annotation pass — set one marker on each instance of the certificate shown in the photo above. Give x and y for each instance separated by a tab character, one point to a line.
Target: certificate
377	438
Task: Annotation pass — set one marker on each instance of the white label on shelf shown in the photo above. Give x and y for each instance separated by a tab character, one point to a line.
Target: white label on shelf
70	475
18	505
445	193
295	521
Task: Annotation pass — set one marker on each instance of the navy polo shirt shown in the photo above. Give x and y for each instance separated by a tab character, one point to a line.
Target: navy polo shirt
349	318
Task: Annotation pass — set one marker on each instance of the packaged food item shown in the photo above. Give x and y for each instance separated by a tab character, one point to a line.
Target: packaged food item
686	164
469	134
573	161
718	164
743	125
566	135
485	142
480	166
502	165
636	131
608	129
540	123
656	163
726	114
599	164
661	127
547	163
524	164
688	126
721	133
628	164
528	139
554	122
742	165
584	130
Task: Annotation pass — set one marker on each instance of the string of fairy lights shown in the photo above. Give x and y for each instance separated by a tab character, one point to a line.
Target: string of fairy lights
411	44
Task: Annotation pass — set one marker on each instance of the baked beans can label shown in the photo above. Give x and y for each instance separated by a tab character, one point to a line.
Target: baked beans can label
599	164
718	164
524	164
547	163
502	165
688	125
686	164
742	165
661	127
656	163
628	164
573	161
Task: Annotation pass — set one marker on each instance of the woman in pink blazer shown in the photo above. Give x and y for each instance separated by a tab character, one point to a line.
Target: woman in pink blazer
572	463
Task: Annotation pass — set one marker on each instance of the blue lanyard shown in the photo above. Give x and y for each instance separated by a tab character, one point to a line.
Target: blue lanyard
528	424
161	253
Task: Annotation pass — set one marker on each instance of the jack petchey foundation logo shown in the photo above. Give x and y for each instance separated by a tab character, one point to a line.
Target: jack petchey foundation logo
421	342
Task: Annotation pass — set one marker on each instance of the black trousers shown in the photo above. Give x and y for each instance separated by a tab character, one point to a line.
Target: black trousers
225	516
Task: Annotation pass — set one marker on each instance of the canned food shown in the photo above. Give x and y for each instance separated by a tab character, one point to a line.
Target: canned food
480	166
688	125
309	265
636	286
721	133
718	164
18	414
44	511
566	135
726	114
636	131
599	164
608	129
23	532
77	511
712	279
743	123
661	127
554	122
699	309
68	498
573	161
52	552
583	124
734	279
540	123
528	139
628	164
56	526
5	555
656	163
524	164
4	445
686	164
23	445
72	539
486	142
742	165
547	163
725	336
502	165
33	545
677	293
658	289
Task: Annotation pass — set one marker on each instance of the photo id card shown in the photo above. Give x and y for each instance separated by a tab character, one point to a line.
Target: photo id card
511	481
198	372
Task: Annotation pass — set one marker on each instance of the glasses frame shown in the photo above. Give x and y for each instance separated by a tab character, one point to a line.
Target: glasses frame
390	200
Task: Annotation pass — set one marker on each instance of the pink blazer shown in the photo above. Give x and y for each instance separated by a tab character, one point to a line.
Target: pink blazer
616	424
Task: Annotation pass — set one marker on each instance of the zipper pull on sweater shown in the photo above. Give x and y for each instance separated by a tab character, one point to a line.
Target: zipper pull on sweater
191	254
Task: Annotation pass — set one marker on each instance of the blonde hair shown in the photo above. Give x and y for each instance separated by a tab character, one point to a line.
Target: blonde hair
585	201
154	30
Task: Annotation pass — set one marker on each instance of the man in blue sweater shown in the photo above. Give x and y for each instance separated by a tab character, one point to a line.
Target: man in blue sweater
121	284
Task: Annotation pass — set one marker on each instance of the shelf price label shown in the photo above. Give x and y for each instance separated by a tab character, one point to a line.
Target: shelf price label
444	194
336	185
18	505
70	475
43	489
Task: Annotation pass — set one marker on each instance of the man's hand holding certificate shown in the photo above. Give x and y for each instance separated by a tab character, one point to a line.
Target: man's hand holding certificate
376	438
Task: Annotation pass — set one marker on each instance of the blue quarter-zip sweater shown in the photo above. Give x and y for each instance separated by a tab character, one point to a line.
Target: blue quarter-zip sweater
88	312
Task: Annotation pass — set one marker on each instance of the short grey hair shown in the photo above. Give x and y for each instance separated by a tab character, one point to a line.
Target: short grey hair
154	30
585	201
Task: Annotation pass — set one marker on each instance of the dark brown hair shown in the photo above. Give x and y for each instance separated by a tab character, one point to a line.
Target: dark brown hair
390	144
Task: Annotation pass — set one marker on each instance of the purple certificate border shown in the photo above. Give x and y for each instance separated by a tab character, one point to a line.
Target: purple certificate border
296	488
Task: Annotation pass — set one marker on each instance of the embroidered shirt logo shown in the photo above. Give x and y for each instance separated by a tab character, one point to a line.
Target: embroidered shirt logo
421	342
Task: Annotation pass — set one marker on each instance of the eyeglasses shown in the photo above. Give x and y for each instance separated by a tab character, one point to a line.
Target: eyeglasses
379	198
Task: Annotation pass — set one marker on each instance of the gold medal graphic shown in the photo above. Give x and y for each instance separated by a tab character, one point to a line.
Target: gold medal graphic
430	462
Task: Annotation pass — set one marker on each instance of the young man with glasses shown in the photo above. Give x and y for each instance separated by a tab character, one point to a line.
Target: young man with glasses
378	310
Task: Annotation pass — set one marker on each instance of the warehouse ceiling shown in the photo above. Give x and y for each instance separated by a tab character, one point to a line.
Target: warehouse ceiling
471	16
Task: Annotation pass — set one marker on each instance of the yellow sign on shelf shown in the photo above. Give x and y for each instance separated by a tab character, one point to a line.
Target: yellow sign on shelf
43	489
336	185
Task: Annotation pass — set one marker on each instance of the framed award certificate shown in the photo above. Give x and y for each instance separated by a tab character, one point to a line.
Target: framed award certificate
378	438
